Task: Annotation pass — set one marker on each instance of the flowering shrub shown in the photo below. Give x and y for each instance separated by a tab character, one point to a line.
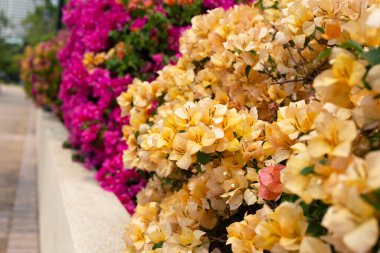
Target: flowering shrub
265	134
88	110
99	60
41	72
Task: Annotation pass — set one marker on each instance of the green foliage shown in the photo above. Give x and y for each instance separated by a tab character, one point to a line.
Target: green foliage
354	46
203	158
3	19
373	198
247	70
373	56
314	212
158	245
9	61
140	45
40	25
307	170
155	37
183	13
324	54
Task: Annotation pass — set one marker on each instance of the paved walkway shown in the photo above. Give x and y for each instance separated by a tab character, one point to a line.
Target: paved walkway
18	198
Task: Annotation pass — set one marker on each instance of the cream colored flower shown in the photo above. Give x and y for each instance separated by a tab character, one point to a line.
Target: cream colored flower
351	224
242	235
366	30
314	245
280	230
333	136
335	85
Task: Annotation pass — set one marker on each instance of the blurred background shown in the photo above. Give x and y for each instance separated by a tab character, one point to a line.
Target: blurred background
22	23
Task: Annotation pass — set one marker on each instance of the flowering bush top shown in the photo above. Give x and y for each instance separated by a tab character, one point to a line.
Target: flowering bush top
133	38
264	136
41	72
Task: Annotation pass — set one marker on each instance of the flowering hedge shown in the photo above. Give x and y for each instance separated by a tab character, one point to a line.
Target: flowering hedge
265	136
41	72
132	38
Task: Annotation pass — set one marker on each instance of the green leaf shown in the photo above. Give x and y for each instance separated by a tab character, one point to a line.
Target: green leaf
198	168
260	4
373	198
366	84
314	213
320	29
203	158
289	198
373	56
350	44
324	54
247	69
158	245
307	170
315	229
160	99
67	145
77	158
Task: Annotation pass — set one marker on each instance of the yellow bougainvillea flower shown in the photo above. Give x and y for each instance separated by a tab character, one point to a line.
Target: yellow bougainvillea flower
297	118
200	136
366	114
88	60
351	224
135	231
158	232
365	30
333	136
247	95
309	186
281	229
373	168
242	235
313	245
182	152
185	241
334	85
92	60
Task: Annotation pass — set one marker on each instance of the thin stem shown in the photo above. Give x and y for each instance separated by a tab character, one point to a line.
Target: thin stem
295	62
291	81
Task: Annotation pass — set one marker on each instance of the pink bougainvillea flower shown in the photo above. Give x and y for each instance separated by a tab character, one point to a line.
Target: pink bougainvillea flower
270	183
138	24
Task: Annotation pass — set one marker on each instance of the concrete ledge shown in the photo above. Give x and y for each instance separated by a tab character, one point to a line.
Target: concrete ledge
75	214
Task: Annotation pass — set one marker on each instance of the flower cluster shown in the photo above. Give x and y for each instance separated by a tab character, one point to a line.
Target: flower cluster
150	38
135	38
88	106
264	136
41	72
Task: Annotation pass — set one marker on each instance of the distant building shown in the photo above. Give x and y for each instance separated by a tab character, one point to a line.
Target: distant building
16	11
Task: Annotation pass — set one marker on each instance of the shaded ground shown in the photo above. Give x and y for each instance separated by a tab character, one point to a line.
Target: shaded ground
18	200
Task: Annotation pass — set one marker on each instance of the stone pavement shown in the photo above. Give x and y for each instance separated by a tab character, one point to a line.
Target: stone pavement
18	193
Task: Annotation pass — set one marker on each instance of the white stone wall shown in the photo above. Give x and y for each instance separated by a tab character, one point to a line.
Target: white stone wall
76	215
